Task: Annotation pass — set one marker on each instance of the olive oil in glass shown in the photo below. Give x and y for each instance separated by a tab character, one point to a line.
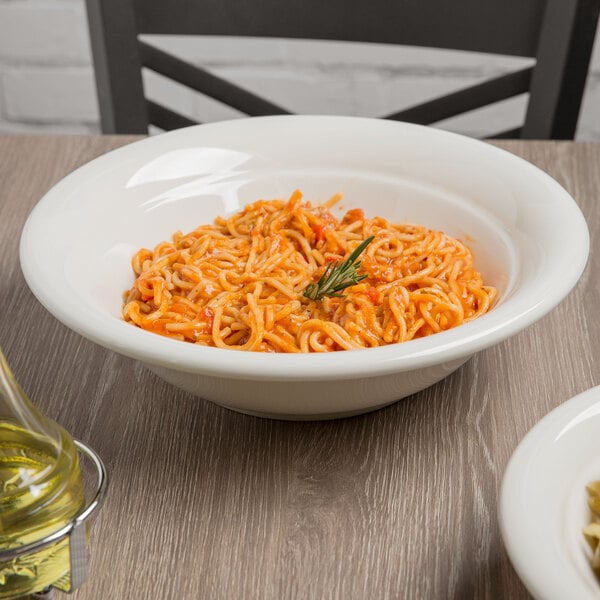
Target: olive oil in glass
41	491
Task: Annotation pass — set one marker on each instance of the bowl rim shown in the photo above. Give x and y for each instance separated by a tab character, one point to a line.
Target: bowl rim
451	345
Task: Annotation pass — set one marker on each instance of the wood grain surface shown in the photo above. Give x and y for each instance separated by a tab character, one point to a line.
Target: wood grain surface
208	503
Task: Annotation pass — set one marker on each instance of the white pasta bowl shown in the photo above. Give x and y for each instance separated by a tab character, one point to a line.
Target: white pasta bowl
527	234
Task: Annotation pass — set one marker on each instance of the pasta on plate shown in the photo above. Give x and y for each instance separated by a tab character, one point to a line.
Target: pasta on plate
592	530
239	283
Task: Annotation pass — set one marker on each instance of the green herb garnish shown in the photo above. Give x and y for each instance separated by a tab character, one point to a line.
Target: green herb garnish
338	276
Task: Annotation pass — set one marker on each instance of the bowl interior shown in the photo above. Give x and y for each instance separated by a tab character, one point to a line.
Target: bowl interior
98	269
528	236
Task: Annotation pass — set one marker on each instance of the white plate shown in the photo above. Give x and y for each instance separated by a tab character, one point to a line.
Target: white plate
543	501
528	236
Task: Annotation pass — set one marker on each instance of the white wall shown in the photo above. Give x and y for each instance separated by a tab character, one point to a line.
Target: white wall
47	83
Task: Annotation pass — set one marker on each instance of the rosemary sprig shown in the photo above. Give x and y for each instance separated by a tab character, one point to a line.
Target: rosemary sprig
338	276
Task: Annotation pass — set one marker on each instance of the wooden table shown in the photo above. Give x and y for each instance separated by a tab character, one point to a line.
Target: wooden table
208	503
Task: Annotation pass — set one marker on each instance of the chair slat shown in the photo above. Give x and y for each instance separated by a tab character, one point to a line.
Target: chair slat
564	53
467	99
202	81
506	27
165	118
509	134
117	66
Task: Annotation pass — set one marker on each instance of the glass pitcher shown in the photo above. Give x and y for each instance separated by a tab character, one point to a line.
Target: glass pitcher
41	492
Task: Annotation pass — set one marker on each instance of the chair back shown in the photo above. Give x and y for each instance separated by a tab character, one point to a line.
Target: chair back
559	34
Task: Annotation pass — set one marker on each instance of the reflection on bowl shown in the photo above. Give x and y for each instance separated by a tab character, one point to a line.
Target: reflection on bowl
527	234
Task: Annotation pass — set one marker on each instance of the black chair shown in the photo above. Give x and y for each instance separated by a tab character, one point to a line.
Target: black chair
559	34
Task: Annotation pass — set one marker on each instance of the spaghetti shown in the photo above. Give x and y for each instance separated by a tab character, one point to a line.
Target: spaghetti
239	282
592	530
